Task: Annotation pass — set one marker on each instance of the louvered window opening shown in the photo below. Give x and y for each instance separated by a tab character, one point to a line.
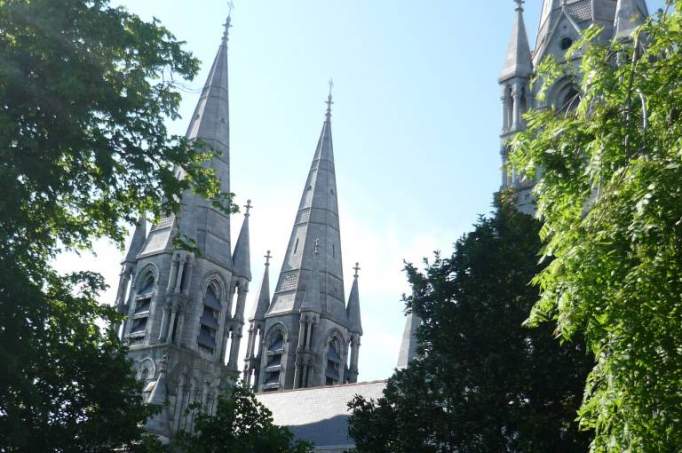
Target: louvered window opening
332	373
143	302
274	362
208	329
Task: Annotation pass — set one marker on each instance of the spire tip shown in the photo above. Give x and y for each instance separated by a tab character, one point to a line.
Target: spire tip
329	101
228	21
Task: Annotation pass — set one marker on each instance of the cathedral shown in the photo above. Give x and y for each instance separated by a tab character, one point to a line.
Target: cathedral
185	309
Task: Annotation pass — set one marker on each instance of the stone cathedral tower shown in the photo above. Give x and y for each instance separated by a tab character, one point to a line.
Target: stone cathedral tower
561	23
185	310
307	336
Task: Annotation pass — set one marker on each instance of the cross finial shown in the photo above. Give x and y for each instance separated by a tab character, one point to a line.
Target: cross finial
248	206
317	247
329	99
520	4
268	257
357	270
228	22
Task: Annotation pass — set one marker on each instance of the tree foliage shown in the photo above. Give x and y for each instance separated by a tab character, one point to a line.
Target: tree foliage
84	93
610	196
483	381
240	424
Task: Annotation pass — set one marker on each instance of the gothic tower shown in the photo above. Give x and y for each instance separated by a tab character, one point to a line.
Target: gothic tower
561	23
183	324
307	336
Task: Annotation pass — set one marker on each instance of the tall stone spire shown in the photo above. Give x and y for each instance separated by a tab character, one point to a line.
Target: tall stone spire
180	301
630	14
518	59
408	345
210	124
307	335
316	226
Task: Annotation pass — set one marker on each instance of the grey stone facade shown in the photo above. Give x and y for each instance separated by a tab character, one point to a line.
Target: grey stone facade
185	309
561	23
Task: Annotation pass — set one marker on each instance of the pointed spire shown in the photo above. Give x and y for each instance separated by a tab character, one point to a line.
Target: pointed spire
518	60
408	346
263	299
353	309
316	227
630	14
241	259
210	121
139	238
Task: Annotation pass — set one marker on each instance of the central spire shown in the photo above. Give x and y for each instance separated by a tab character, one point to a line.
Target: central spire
316	228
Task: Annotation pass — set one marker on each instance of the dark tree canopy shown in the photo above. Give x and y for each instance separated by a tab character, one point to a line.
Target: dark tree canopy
610	196
240	425
85	90
483	382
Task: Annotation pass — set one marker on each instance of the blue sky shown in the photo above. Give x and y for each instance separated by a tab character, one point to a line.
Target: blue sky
416	123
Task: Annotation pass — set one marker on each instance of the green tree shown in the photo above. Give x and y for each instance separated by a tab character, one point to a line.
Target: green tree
610	196
483	382
240	425
84	93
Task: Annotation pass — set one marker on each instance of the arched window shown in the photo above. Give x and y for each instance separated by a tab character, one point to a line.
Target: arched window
565	96
569	100
144	295
334	362
209	321
141	309
273	357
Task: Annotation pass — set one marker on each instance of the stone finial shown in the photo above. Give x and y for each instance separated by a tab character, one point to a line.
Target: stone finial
519	4
357	270
248	206
268	257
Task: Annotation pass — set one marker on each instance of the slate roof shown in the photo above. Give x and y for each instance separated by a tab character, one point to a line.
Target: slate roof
319	415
